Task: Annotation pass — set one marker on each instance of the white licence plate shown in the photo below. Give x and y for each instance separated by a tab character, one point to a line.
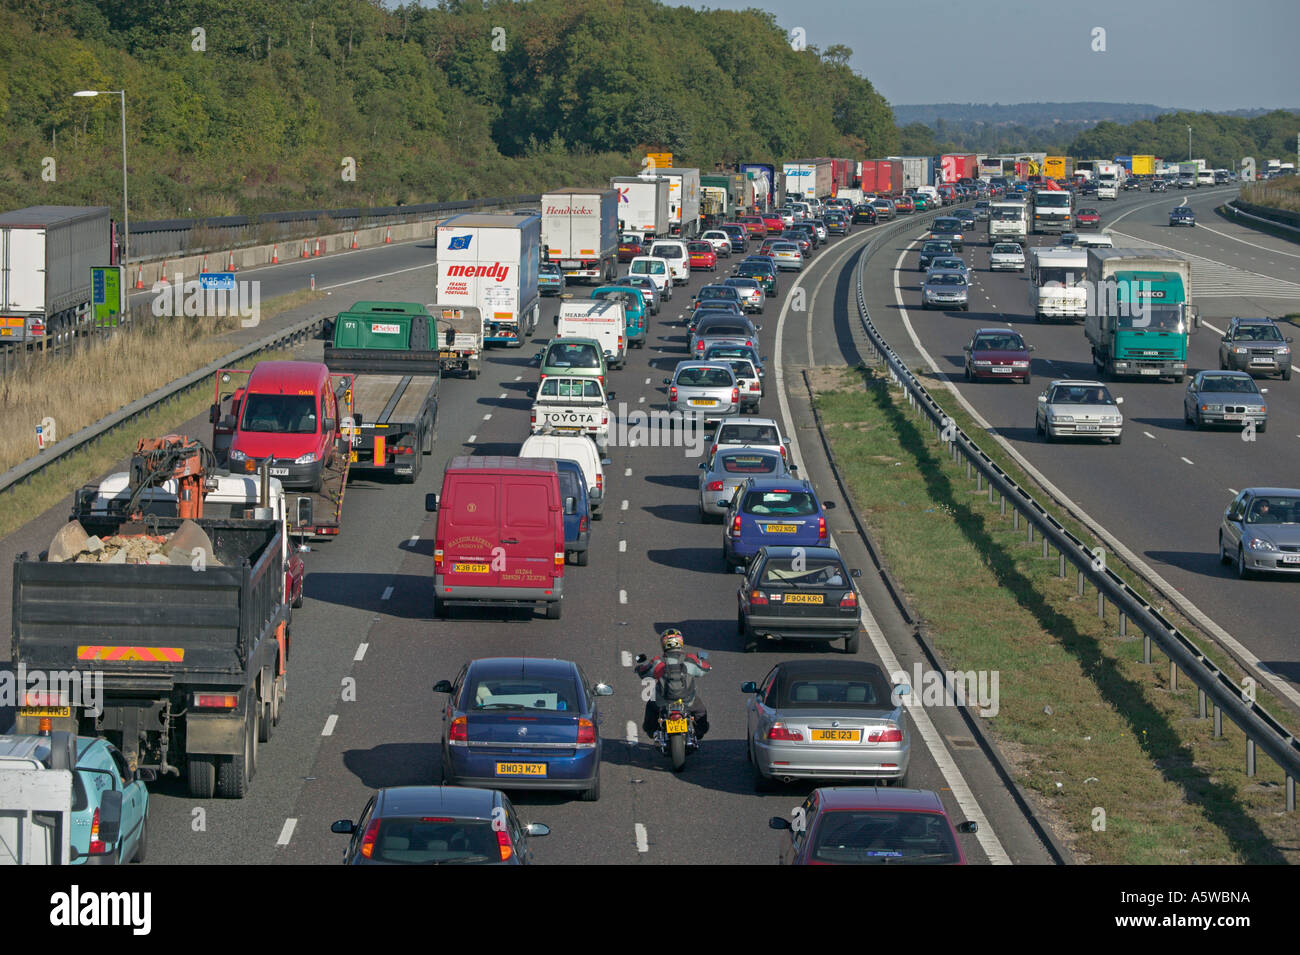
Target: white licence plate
1291	559
279	472
1149	371
1235	417
1086	427
1262	361
1002	370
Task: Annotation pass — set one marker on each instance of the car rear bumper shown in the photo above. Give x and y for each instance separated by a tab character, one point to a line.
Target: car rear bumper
804	761
502	596
566	773
1248	364
802	628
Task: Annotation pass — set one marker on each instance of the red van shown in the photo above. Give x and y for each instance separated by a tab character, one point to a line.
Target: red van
288	412
500	536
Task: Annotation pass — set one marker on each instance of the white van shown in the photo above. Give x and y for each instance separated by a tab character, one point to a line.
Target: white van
1100	240
572	447
602	320
656	270
675	253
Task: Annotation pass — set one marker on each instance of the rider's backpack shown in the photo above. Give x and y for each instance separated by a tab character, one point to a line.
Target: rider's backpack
677	681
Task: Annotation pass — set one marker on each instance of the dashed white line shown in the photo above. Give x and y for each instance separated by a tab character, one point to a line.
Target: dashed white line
471	439
361	652
287	832
641	400
414	538
382	275
1149	435
642	838
502	395
627	472
330	723
388	592
622	596
622	547
488	416
625	657
623	507
1188	461
1233	491
647	381
632	736
519	377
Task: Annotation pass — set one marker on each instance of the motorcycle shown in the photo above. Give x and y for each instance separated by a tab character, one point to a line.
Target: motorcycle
675	736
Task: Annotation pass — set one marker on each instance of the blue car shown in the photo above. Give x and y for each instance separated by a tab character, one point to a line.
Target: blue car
109	802
550	280
577	533
772	511
522	723
1182	215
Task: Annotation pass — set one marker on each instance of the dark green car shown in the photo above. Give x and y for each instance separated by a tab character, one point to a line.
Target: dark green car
575	357
761	272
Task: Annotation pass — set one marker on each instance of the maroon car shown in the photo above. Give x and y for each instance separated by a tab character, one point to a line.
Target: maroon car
871	825
754	225
630	248
998	353
1087	219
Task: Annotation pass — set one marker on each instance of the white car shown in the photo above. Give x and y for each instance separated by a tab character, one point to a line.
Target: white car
720	241
1006	256
657	270
1070	408
753	433
678	257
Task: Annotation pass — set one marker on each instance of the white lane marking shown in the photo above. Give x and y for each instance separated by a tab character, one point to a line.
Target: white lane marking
519	377
1170	593
961	792
622	596
632	736
381	275
622	547
1149	435
502	395
642	838
330	723
641	400
1188	461
1233	491
388	592
471	439
414	538
1256	245
623	507
625	657
488	416
1213	279
361	652
647	381
627	472
287	832
1217	331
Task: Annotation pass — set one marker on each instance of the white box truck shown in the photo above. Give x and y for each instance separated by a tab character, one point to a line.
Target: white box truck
643	205
490	263
683	201
46	254
1107	180
580	232
809	179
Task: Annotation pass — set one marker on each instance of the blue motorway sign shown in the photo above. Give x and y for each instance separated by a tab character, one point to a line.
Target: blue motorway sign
217	281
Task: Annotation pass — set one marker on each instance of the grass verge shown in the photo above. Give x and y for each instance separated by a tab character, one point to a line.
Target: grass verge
1121	766
24	501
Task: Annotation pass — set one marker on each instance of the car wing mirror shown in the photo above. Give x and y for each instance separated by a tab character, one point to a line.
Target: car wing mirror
344	827
431	502
749	686
442	686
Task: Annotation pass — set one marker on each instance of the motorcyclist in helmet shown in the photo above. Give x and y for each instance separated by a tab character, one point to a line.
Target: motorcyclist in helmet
674	656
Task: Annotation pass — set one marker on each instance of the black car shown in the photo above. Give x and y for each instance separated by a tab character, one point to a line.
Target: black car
798	593
934	249
864	214
1159	185
438	825
1182	215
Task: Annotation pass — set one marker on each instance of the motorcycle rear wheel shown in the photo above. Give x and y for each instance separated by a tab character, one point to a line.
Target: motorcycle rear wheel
677	750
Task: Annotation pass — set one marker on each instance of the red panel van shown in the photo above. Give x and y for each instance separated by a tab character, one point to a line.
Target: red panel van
500	536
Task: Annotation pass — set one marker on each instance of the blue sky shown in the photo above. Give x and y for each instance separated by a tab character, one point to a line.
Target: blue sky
1197	54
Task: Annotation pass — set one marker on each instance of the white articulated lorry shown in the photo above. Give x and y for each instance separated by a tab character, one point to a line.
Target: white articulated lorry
491	263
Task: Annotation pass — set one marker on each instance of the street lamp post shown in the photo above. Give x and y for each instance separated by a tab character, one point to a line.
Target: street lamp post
1189	144
126	214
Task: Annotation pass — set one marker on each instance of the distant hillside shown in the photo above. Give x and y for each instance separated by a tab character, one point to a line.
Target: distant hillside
1027	114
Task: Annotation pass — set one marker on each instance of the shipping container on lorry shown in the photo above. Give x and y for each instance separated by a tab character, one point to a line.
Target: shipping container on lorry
917	170
808	179
643	205
193	664
391	350
46	254
1124	161
683	201
763	175
842	171
1058	167
580	233
490	262
1143	165
889	177
1142	313
957	166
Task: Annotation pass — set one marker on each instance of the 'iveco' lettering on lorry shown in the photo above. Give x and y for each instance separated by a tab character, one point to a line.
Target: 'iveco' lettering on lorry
495	271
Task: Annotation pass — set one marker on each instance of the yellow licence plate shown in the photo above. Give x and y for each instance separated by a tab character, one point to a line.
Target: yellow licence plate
804	598
470	568
352	457
837	736
52	711
521	769
781	528
709	402
674	726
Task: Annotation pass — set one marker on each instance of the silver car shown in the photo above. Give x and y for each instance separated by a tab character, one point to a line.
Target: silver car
1224	397
751	293
827	719
1006	256
727	470
788	256
822	231
1079	409
884	208
704	389
945	289
751	433
725	328
1260	531
746	372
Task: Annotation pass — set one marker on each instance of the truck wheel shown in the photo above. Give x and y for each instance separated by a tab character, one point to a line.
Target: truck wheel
233	771
201	776
430	436
266	725
281	694
553	610
584	556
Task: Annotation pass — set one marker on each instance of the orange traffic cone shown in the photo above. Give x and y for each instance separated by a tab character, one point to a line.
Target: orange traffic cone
275	255
354	240
230	265
388	236
139	277
318	245
162	276
203	269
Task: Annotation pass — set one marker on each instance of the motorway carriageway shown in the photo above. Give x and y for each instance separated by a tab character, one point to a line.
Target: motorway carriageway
361	712
1163	491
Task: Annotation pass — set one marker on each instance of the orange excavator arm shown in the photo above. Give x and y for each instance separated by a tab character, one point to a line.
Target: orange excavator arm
172	457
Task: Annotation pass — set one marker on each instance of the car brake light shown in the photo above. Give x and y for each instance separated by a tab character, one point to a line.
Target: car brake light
821	528
756	599
783	452
600	481
368	840
532	417
97	846
601	379
582	524
507	848
672	393
543	378
458	732
735	526
892	734
849	601
437	555
559	558
779	733
713	450
715	486
699	345
735	395
586	733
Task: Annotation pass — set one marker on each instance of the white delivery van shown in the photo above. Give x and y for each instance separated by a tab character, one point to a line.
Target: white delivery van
675	253
656	270
602	320
572	447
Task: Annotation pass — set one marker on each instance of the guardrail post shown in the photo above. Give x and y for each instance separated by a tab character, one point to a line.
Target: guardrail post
1173	677
1015	519
978	478
1250	757
1146	648
1290	794
1046	552
1079	585
1029	536
1200	703
1101	606
1123	620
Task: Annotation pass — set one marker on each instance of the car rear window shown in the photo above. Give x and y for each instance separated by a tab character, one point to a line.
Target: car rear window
562	355
715	328
812	572
881	838
782	503
557	694
705	378
714	291
570	388
432	839
748	463
748	434
832	691
568	482
742	367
